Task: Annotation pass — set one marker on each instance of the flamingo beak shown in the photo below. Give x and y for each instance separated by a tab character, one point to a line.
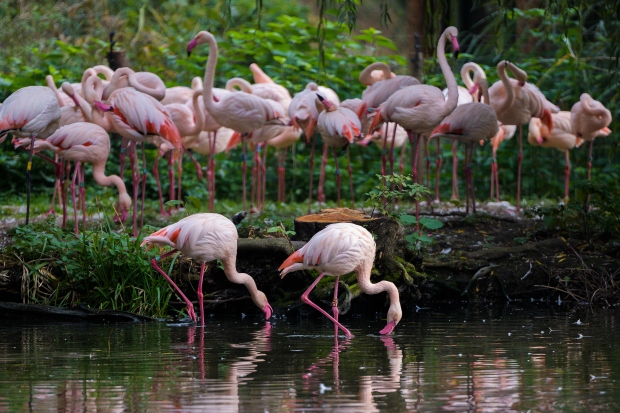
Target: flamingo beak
455	46
521	84
606	130
103	107
474	89
540	140
388	328
191	45
376	120
268	311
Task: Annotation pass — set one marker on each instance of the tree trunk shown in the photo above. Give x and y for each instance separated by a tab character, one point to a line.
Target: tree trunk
528	43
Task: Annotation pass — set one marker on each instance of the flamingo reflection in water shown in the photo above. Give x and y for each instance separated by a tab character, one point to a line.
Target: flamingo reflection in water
371	387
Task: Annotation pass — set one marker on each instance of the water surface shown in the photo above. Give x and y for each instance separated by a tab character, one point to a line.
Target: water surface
497	359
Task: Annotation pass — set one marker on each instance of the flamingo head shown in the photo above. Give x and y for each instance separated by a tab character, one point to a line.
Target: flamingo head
200	38
474	89
452	34
260	299
329	106
377	118
395	313
122	207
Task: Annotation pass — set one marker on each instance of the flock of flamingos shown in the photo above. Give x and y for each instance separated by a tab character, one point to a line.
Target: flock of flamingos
74	123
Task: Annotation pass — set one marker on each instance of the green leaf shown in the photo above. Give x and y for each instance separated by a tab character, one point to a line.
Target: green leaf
407	219
174	202
431	223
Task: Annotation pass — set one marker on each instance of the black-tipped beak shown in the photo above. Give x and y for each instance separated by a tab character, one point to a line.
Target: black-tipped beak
456	54
189	52
320	97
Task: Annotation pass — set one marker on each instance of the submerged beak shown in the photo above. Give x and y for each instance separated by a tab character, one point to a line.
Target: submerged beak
268	311
388	328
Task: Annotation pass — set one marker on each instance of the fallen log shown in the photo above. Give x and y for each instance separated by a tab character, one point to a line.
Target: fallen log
48	313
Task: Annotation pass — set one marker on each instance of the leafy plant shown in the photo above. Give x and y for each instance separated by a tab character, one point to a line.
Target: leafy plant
417	240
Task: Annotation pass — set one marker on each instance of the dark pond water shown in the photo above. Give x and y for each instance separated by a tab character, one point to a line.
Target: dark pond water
483	360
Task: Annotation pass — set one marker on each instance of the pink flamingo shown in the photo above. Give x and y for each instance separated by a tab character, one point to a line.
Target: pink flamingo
382	140
206	237
145	82
561	138
420	108
515	103
33	112
239	111
589	118
137	117
338	127
181	94
469	123
84	142
375	72
379	91
338	250
266	88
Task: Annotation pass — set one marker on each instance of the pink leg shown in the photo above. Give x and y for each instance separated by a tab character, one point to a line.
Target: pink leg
305	299
180	179
520	160
466	170
196	164
438	164
311	173
566	174
350	172
414	170
75	217
590	160
143	183
201	303
121	159
82	197
455	179
212	181
321	193
391	158
471	176
337	175
383	153
66	173
281	175
133	157
162	209
171	178
255	163
335	305
264	169
244	171
190	306
427	161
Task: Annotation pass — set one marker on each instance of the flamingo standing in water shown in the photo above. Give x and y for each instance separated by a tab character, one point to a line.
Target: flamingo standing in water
239	111
469	123
84	142
561	138
515	103
590	118
32	112
338	250
420	108
338	127
205	237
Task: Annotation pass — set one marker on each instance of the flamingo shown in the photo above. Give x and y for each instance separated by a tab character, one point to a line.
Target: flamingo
135	116
145	82
561	138
421	108
266	88
239	111
338	127
374	73
206	237
515	103
181	94
31	111
84	142
338	250
469	123
589	118
380	138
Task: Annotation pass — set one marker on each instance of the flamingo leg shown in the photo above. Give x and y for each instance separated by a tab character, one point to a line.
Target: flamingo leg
199	173
244	170
466	170
63	184
155	265
143	182
306	299
254	190
455	179
281	154
162	209
427	161
311	173
179	179
171	178
519	161
133	158
28	178
82	197
471	176
401	168
321	189
383	155
264	168
391	158
350	172
337	175
121	159
75	217
335	304
566	175
201	302
212	181
590	160
438	164
414	169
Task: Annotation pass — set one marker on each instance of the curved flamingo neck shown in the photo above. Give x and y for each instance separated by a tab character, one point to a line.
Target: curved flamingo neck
510	94
207	91
107	180
243	85
366	75
233	275
198	112
484	88
363	280
453	93
93	91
